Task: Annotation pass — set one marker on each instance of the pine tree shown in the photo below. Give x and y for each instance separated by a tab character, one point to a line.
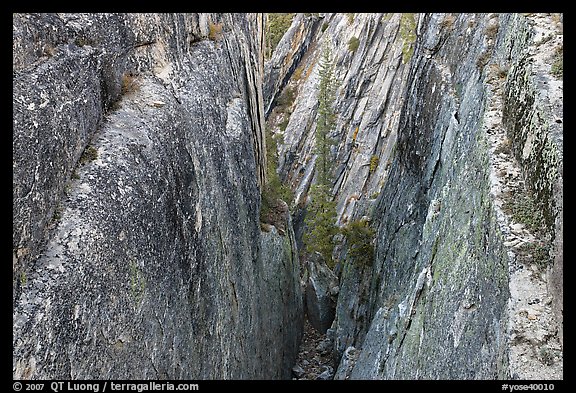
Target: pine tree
326	116
321	213
320	221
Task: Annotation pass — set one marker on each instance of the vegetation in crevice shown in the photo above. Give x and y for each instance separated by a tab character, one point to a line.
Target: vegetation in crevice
557	68
273	210
538	253
137	283
359	240
353	44
350	17
523	209
276	26
215	31
490	33
408	34
374	160
89	154
283	105
448	21
129	83
492	30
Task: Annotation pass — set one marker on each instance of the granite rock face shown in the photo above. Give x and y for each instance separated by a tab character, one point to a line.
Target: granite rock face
370	83
441	284
443	122
286	56
154	266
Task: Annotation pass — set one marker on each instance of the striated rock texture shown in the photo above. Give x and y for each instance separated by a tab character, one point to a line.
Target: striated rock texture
286	57
370	81
154	265
439	284
282	300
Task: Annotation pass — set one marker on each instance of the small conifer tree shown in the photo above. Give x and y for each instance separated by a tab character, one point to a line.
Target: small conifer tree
321	214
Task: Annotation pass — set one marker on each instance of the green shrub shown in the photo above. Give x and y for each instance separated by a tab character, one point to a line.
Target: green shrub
359	237
284	123
287	97
320	223
320	217
89	154
353	44
374	160
271	209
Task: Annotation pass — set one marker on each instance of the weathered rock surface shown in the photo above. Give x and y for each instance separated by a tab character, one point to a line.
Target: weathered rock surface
439	291
421	144
282	293
438	298
371	81
347	363
533	120
320	296
154	266
287	55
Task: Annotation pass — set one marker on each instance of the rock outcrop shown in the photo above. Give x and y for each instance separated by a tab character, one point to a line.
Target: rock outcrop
371	81
321	292
145	259
139	159
439	287
286	57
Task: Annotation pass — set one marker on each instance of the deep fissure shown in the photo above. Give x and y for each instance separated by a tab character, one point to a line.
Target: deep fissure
389	229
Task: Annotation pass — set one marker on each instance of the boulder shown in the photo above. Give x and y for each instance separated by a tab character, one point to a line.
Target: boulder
347	363
327	374
320	303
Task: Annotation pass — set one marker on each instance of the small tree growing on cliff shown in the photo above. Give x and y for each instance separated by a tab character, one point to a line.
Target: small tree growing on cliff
321	215
326	117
